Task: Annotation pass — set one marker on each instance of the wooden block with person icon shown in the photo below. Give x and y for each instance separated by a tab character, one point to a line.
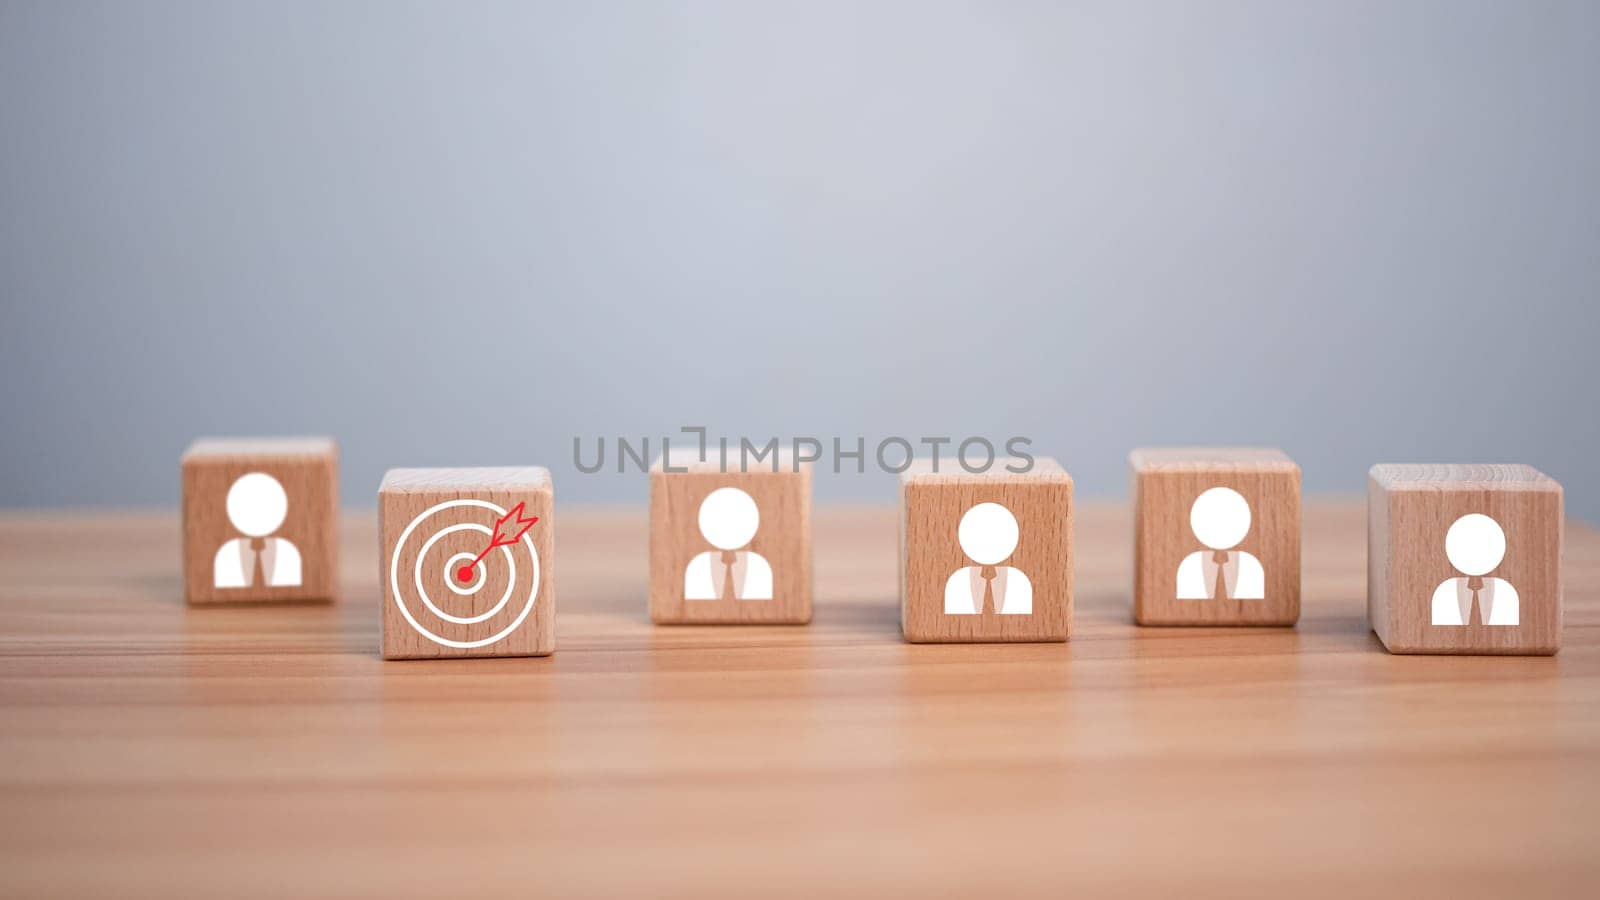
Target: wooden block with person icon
1464	559
985	556
1216	536
730	544
260	520
467	562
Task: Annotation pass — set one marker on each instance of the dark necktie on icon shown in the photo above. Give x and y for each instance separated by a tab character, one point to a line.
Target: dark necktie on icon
729	588
987	573
258	574
1220	588
1475	598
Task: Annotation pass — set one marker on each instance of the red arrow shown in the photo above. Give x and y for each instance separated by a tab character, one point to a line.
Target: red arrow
503	536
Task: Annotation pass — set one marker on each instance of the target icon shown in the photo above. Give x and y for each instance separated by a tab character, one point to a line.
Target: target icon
471	568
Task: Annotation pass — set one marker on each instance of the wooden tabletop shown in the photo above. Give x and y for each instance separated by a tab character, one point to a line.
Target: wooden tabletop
148	749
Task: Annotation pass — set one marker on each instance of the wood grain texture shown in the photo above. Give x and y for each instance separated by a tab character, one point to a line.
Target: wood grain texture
431	523
308	470
932	505
782	539
1411	508
1166	482
154	750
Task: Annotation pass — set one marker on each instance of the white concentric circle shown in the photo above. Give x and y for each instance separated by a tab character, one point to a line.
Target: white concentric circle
511	579
399	600
454	563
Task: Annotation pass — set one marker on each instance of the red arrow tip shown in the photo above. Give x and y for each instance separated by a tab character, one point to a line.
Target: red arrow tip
510	528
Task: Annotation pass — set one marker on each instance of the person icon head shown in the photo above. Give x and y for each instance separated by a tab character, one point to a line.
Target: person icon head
988	534
257	506
729	519
1220	518
1475	544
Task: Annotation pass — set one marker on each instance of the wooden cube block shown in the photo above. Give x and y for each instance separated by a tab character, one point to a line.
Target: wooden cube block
467	562
1216	536
985	557
730	547
1464	559
260	520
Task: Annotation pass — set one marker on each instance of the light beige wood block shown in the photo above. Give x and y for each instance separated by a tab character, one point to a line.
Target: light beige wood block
467	562
1464	559
730	547
259	520
985	557
1216	536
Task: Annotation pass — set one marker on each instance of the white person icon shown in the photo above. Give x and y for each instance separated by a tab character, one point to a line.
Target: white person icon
728	521
1220	519
257	506
1475	545
988	535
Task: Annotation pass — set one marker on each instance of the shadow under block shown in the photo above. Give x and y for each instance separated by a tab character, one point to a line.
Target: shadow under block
432	523
1178	536
259	520
718	558
971	573
1413	548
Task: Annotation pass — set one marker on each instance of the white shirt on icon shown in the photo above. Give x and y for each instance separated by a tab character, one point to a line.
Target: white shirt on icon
1243	578
966	590
707	577
1498	603
235	565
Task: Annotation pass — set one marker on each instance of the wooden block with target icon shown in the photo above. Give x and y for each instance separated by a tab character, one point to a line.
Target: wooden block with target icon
467	562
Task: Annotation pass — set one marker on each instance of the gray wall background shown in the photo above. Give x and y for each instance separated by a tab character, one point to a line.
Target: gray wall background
466	233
